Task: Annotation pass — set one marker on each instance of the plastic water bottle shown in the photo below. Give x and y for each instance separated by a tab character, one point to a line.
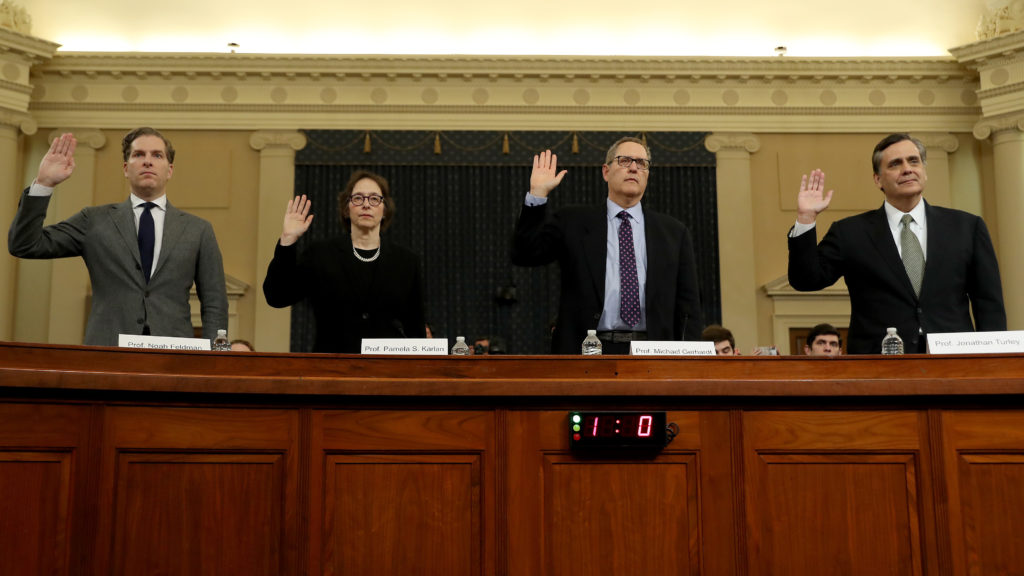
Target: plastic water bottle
591	344
221	343
892	343
460	348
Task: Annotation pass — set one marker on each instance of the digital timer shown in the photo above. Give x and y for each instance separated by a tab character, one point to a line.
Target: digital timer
617	430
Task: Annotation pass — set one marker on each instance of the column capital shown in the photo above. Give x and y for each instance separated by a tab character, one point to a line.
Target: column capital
732	141
989	126
277	138
941	140
90	137
19	120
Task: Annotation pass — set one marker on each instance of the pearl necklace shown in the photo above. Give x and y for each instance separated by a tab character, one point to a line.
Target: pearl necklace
360	256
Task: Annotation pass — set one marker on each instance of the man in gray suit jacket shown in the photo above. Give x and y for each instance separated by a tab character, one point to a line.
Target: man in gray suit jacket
128	296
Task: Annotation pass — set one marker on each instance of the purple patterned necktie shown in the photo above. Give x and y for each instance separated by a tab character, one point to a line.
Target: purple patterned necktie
629	290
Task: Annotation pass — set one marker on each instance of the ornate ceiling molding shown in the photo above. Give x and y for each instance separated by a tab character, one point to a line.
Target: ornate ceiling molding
229	91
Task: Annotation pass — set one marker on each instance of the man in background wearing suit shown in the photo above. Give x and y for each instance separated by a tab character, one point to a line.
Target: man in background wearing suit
908	264
143	254
627	272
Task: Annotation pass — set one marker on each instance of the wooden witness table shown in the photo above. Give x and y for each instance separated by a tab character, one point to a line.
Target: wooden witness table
133	462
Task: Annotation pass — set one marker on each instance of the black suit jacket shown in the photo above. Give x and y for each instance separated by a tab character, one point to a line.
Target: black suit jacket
961	273
351	300
577	238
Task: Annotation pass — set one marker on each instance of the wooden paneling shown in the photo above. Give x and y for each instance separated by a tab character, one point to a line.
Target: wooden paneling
603	513
198	491
203	463
403	492
836	493
984	460
40	473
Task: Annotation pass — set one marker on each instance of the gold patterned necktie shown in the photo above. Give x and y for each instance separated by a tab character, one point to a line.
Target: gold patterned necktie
913	256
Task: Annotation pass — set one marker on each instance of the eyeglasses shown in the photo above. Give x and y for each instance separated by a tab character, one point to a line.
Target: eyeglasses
372	199
625	161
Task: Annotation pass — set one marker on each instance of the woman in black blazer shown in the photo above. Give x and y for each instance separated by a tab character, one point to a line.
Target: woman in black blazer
360	285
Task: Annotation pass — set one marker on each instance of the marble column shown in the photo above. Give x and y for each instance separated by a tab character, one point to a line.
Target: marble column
1008	162
737	266
277	150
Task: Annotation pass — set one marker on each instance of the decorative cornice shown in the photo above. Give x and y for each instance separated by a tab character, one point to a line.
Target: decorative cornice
32	49
461	68
732	141
991	51
288	92
277	138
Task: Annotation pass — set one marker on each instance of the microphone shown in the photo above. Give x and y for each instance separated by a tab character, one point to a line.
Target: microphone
397	325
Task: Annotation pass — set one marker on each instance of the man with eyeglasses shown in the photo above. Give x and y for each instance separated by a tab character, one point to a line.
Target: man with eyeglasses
628	272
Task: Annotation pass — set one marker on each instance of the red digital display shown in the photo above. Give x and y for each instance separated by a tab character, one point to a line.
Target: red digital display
617	429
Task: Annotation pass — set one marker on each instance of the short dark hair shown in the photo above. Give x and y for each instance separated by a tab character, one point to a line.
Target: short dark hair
823	330
717	333
385	190
610	155
126	142
876	156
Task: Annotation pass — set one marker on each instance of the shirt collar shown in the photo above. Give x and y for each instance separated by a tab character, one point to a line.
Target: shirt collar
160	202
636	212
894	215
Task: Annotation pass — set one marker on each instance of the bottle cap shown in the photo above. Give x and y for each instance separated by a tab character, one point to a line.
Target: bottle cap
591	332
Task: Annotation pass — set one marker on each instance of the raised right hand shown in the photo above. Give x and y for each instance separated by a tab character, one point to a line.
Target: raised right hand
296	220
59	161
812	199
545	176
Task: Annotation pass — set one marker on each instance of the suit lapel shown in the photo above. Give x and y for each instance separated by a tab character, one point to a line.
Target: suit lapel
124	221
657	259
174	226
595	247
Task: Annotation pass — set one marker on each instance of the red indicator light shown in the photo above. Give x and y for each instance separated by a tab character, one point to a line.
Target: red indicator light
575	436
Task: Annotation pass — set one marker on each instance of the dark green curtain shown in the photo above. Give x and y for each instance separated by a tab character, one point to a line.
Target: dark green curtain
458	195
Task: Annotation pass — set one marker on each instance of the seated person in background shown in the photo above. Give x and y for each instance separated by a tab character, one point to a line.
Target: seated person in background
725	343
359	284
241	346
823	340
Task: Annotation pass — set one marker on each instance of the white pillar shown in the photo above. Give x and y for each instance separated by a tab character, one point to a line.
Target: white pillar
277	186
736	266
1008	161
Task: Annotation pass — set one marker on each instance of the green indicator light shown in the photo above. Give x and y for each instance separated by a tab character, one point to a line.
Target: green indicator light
575	427
575	418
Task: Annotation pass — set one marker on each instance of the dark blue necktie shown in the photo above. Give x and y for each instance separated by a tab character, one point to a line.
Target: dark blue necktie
629	288
147	238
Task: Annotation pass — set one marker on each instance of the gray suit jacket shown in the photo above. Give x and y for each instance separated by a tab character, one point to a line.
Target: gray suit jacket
122	302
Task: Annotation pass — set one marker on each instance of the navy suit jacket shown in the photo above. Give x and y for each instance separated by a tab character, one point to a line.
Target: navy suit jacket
577	238
961	273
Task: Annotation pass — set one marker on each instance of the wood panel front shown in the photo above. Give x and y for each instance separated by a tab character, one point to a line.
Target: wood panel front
41	450
402	492
837	493
606	513
984	461
195	491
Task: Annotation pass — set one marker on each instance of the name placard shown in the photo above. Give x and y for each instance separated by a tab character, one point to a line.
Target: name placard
976	342
162	342
671	348
406	346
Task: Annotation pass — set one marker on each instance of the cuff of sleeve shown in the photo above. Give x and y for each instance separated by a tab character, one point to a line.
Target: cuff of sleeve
37	189
532	200
799	229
